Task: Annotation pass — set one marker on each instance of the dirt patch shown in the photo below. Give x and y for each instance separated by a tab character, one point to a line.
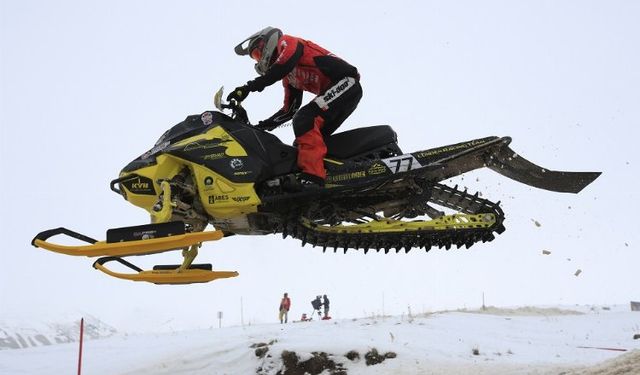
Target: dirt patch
261	348
323	363
523	311
261	351
372	357
626	364
318	363
352	355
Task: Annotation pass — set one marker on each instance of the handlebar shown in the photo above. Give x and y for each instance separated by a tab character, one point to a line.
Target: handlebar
237	111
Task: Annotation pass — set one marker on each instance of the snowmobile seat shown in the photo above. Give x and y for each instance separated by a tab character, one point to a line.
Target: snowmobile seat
363	141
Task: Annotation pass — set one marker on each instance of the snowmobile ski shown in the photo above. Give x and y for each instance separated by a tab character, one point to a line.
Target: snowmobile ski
147	243
165	274
143	240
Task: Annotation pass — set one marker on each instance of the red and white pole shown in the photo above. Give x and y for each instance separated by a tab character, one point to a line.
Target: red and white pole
80	351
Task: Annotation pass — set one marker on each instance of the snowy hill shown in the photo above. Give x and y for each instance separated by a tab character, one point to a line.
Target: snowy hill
24	332
493	341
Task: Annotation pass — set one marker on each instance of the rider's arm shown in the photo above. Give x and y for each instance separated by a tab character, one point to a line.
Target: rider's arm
290	52
292	102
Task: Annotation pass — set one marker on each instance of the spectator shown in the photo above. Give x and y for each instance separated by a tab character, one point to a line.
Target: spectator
285	304
316	303
325	303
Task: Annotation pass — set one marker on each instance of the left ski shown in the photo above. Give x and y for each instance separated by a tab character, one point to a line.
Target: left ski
138	240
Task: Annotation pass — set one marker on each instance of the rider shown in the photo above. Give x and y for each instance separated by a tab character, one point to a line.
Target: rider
302	66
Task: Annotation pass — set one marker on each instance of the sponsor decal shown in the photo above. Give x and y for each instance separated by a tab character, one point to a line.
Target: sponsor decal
216	156
297	77
236	163
402	163
145	234
205	145
377	168
242	173
283	46
346	176
218	198
207	118
441	150
241	199
334	92
140	185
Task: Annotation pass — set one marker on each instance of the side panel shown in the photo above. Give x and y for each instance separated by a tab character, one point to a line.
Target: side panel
436	164
223	172
222	198
219	151
143	190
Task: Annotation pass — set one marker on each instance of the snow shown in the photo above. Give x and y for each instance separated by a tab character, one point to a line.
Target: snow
28	330
526	340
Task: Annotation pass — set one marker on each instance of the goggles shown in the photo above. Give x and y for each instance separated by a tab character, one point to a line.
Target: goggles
256	52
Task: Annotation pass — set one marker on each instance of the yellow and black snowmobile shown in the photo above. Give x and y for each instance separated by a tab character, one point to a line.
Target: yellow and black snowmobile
217	169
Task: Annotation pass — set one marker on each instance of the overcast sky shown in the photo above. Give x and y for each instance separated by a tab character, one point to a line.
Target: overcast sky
88	86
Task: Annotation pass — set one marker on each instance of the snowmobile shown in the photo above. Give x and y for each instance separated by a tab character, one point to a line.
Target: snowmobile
215	168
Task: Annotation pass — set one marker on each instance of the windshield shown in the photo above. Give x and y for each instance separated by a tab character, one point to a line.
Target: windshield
191	125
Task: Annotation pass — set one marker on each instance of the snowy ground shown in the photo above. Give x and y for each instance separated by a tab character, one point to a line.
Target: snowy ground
505	341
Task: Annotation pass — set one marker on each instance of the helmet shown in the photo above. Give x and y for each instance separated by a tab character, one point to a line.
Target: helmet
261	46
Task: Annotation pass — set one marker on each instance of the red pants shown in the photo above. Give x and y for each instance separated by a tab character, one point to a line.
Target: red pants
312	123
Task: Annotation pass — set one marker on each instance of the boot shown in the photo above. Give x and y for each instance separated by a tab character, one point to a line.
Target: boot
303	182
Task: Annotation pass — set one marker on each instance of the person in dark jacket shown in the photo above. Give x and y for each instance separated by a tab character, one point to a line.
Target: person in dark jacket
302	66
325	304
317	303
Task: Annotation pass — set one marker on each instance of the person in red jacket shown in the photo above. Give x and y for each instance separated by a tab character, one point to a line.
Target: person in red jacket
302	66
285	305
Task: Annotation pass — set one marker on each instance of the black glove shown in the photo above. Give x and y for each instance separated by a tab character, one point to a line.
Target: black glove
238	94
266	125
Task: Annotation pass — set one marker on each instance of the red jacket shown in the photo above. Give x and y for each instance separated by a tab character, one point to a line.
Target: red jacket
285	303
302	66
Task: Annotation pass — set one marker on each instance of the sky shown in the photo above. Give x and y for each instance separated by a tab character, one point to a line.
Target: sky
87	87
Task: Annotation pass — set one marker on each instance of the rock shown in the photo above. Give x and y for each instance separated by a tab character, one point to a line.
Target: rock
261	351
373	357
352	355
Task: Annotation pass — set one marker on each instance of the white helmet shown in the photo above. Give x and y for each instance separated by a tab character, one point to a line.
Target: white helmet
261	46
